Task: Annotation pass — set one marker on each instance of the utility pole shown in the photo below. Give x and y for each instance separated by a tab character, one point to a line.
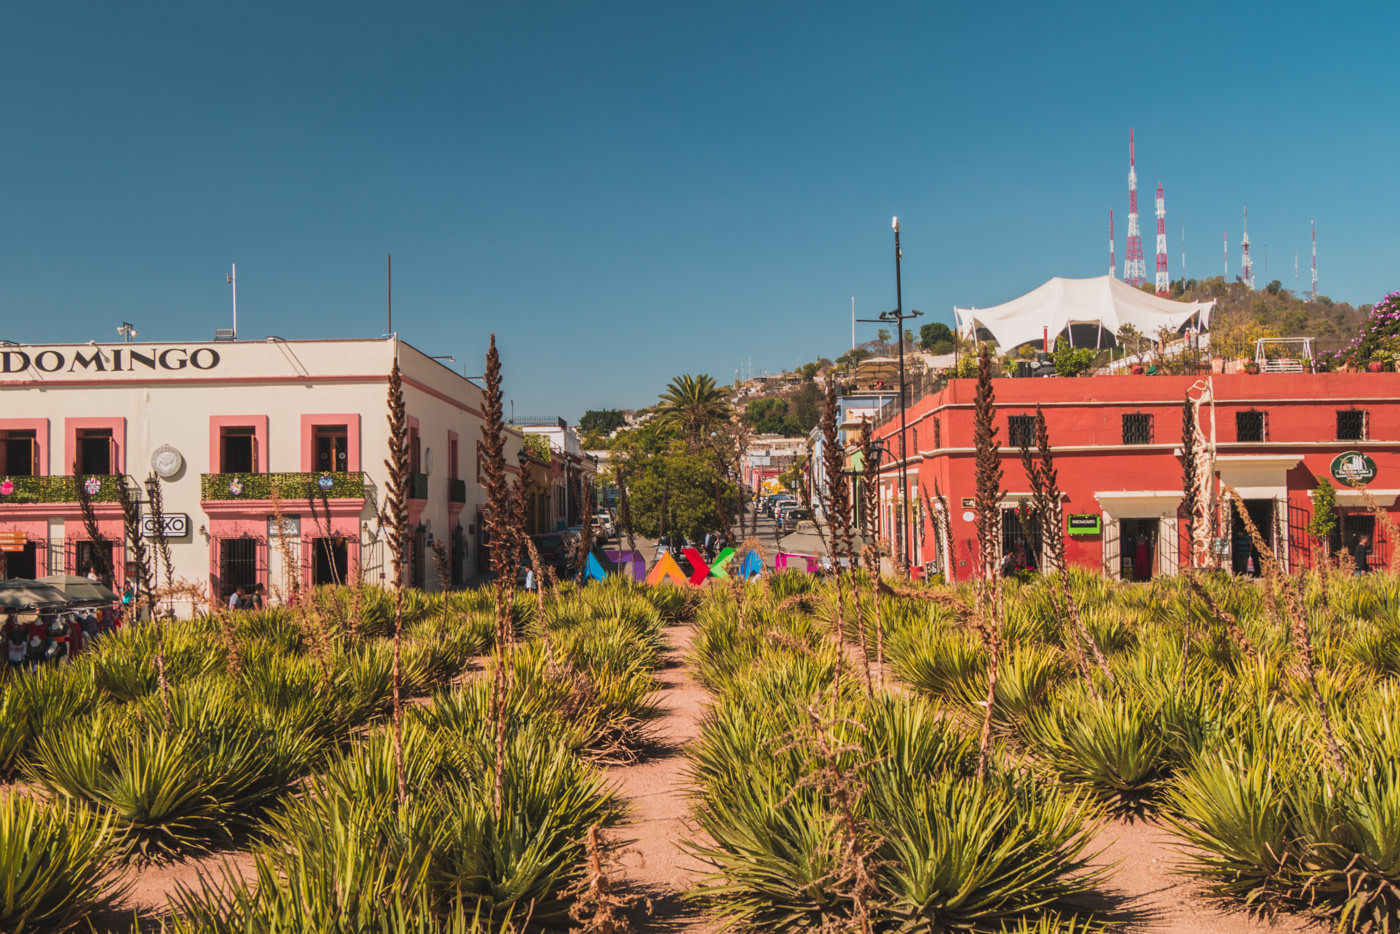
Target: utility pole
232	279
897	317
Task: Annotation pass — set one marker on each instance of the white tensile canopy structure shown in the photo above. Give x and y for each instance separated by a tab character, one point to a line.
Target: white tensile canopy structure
1105	301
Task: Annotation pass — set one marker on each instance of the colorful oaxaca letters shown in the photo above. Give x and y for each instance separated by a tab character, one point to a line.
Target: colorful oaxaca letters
594	569
666	567
633	558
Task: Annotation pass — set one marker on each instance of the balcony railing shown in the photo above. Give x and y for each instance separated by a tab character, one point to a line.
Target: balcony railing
288	486
417	486
456	491
58	489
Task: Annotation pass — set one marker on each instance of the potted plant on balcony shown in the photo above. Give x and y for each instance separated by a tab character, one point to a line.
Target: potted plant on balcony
1251	366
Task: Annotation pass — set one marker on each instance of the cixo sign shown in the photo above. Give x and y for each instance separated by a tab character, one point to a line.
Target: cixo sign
667	569
107	360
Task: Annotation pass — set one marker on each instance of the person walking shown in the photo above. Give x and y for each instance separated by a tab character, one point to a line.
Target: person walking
235	599
1358	554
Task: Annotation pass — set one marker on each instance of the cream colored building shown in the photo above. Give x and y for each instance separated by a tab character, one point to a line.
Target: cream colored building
238	432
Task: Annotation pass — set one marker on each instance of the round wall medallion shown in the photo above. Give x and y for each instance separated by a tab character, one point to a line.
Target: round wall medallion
166	461
325	482
235	487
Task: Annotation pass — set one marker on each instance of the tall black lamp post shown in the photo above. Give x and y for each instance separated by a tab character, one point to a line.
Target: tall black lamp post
898	317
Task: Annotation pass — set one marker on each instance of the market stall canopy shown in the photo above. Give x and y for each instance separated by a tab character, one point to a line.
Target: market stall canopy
1059	303
19	593
80	589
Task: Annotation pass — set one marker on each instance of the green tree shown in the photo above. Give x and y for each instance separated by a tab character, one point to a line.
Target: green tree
883	335
808	372
1071	361
678	494
694	404
806	409
604	420
936	337
853	356
1323	524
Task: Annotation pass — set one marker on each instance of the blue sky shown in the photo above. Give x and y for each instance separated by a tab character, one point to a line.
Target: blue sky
628	191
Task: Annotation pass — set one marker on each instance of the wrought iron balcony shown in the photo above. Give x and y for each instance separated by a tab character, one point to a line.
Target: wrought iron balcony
417	486
456	491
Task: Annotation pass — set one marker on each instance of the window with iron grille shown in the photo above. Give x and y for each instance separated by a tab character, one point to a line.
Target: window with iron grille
1137	428
937	434
1249	426
1020	430
1351	424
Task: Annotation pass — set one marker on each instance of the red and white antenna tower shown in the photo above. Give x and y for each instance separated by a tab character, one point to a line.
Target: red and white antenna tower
1112	259
1164	283
1246	267
1314	238
1134	269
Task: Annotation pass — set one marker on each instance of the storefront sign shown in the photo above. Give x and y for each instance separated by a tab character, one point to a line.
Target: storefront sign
13	541
108	360
1353	468
177	525
1085	523
290	527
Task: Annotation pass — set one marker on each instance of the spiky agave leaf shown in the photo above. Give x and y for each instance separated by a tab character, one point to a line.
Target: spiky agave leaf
960	854
1113	748
57	864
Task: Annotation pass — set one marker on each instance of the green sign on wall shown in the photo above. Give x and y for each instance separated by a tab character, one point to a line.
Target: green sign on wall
1085	523
1353	468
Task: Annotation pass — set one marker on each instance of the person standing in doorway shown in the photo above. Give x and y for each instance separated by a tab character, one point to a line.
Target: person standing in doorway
1359	553
92	573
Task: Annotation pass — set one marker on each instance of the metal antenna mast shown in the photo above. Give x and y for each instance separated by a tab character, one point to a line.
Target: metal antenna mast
1164	284
1134	268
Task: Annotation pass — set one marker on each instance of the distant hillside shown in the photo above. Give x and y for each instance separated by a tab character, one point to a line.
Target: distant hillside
1241	315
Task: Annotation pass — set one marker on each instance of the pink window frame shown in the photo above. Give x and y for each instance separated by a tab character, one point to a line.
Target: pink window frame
217	424
40	427
71	427
309	424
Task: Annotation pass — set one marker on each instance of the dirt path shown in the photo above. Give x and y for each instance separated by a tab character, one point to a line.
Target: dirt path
657	789
1158	899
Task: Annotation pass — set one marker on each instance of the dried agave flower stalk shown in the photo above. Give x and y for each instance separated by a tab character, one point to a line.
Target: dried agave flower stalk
1285	603
396	508
988	525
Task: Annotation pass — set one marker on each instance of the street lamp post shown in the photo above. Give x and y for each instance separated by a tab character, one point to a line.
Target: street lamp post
897	317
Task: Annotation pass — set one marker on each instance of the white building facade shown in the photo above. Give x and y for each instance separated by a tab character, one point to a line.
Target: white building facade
269	455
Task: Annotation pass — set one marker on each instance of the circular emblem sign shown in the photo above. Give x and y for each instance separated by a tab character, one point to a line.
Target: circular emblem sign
166	461
7	487
1353	468
235	487
92	485
325	482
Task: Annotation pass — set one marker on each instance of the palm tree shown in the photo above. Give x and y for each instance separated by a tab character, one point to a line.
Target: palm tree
694	404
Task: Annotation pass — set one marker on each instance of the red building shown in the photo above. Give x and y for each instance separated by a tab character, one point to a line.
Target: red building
1118	443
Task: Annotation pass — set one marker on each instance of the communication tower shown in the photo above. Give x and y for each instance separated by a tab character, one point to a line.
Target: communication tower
1112	259
1246	267
1164	285
1134	268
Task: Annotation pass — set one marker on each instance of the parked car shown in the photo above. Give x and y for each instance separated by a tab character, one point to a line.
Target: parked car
603	529
784	508
557	550
778	504
792	517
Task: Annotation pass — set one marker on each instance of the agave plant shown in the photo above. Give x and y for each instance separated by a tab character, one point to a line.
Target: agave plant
1113	749
57	864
